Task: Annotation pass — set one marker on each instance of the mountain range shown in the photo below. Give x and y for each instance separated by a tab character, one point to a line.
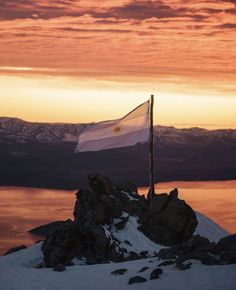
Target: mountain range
42	155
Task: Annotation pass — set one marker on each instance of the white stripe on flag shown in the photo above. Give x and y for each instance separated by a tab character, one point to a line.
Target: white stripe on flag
127	131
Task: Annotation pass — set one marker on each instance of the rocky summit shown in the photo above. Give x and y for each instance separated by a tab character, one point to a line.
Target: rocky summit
100	214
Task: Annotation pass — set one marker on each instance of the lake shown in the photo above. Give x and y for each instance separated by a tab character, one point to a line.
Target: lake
22	209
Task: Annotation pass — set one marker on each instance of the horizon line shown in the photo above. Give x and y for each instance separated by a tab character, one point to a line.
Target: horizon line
176	125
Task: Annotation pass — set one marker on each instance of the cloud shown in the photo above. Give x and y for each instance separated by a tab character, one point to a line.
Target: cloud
21	9
127	37
227	26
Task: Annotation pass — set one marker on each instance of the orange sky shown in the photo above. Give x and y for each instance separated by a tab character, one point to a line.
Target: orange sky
81	61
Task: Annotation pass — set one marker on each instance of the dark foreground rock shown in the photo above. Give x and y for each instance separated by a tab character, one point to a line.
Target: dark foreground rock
201	249
137	279
46	230
169	221
15	249
119	272
156	273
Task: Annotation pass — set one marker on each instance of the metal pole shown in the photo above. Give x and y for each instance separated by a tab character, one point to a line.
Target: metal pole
151	153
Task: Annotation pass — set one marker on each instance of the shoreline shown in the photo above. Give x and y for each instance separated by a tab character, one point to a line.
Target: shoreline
139	185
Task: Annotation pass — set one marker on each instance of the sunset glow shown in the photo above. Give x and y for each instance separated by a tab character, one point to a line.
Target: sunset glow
84	61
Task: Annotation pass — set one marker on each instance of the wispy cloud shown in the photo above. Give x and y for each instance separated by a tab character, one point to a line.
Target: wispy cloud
129	37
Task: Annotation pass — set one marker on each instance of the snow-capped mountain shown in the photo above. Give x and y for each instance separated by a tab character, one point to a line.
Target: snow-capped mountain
19	131
42	154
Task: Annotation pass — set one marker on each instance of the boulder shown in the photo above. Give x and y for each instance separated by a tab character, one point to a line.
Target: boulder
156	273
137	279
101	184
119	272
201	249
225	242
227	248
170	220
168	253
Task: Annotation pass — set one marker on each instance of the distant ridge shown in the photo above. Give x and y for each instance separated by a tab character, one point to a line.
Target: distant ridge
42	155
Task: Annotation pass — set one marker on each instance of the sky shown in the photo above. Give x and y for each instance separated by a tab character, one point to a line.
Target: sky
85	60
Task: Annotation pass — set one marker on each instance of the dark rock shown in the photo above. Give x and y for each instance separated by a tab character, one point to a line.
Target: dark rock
183	267
57	247
174	193
137	279
159	202
127	186
120	225
197	241
168	253
101	184
144	254
47	229
209	260
167	263
59	268
156	273
226	241
119	272
15	249
226	247
170	220
127	243
133	256
143	269
198	248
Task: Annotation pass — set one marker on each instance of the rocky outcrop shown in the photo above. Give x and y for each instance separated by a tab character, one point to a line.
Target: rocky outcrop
201	249
46	230
107	205
170	220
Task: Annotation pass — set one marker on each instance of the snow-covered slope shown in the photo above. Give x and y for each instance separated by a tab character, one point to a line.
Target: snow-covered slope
209	229
17	274
17	270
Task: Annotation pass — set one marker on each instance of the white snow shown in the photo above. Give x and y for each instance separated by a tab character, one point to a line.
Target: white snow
17	270
209	229
139	242
129	196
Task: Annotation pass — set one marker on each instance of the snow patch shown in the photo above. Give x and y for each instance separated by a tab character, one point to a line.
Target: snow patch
129	196
209	229
134	240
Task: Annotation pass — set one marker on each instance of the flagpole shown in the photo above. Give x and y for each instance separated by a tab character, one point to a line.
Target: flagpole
151	153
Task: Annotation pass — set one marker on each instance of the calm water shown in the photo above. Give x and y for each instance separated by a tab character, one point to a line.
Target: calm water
24	208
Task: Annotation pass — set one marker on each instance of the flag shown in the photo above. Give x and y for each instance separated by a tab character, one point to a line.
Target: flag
127	131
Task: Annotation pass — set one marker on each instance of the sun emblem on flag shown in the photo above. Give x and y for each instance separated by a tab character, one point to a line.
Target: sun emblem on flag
117	129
